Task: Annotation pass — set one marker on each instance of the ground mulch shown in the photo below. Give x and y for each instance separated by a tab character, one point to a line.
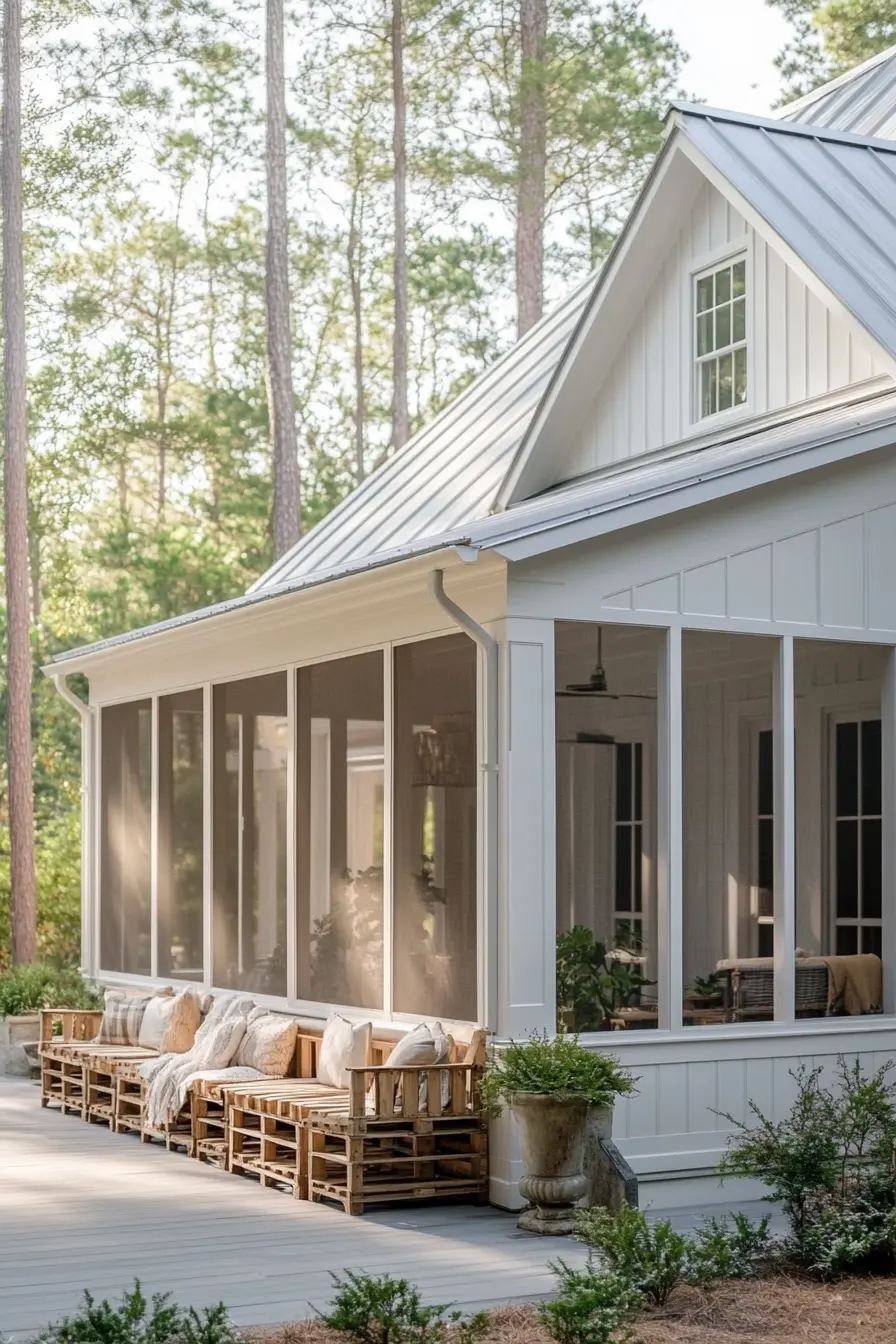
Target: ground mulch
771	1311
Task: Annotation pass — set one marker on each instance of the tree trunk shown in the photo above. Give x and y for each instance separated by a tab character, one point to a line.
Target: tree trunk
400	422
353	256
287	525
533	155
15	479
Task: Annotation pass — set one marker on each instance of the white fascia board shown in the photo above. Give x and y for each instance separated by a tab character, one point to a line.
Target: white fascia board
752	213
678	496
619	290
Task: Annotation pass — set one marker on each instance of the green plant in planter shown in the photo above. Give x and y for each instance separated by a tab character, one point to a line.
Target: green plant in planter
591	983
557	1067
707	987
27	989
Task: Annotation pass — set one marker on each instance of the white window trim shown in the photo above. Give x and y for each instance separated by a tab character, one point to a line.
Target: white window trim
731	255
831	919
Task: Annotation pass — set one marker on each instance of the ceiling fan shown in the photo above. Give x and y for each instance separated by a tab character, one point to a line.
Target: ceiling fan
596	688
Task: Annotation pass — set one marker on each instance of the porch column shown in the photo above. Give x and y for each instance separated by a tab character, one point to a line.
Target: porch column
207	836
526	916
785	831
888	762
669	916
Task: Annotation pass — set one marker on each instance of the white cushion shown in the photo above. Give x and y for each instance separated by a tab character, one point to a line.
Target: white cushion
345	1046
268	1045
418	1049
223	1041
169	1023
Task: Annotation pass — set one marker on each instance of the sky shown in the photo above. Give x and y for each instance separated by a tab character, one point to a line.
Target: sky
731	65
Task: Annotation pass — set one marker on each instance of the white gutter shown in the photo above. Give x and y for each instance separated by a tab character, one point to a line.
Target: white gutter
88	718
487	875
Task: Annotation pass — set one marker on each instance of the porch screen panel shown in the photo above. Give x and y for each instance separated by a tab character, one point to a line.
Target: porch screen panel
606	680
435	826
180	835
341	754
839	890
250	743
126	792
730	827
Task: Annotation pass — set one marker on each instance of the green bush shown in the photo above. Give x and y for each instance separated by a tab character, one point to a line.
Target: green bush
730	1248
829	1163
652	1258
591	1307
141	1321
553	1066
25	989
377	1309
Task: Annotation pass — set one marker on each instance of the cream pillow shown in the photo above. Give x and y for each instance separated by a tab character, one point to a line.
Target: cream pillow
345	1046
418	1049
222	1043
123	1015
268	1045
182	1025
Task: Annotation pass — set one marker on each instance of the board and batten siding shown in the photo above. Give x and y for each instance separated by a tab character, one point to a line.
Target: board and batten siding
797	348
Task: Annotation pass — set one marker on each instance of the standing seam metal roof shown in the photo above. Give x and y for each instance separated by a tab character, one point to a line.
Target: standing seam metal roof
862	100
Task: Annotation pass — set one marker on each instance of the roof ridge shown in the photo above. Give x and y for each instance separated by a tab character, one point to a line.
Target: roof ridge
805	129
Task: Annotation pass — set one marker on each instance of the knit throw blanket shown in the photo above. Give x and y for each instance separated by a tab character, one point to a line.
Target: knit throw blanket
216	1044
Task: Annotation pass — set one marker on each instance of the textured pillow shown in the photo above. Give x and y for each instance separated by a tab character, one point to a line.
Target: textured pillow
123	1016
155	1019
345	1046
223	1041
182	1025
269	1045
222	1010
417	1050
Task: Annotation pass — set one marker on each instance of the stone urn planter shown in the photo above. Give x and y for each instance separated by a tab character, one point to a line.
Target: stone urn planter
15	1033
553	1133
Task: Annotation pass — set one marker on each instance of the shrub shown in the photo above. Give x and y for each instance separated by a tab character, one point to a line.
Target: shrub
591	1308
554	1066
382	1310
730	1248
829	1163
652	1259
141	1321
25	989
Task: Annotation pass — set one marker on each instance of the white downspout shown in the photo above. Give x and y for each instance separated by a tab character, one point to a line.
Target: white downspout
488	792
87	714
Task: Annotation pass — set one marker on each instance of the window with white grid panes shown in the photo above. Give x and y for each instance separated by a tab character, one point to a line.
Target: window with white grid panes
720	337
857	837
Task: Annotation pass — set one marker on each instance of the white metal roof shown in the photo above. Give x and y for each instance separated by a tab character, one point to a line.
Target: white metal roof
863	100
452	470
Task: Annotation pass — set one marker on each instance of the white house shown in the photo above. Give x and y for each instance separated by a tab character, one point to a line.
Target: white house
367	783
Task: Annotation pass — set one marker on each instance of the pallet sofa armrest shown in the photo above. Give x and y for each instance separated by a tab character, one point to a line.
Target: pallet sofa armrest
396	1092
76	1024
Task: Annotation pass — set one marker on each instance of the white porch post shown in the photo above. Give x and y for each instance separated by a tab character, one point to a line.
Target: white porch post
154	838
669	913
207	738
785	831
291	768
527	918
888	754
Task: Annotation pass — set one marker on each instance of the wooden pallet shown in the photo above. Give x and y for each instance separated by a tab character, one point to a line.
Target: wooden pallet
61	1028
266	1129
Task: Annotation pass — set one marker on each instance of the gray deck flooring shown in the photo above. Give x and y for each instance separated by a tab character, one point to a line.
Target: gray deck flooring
83	1208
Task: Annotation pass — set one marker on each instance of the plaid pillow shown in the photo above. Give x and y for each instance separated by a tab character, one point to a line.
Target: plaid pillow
123	1017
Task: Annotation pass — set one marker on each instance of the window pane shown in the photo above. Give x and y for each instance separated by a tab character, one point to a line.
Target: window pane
766	942
434	918
739	328
339	827
847	940
847	869
125	934
624	781
723	326
249	850
766	774
872	940
180	835
704	294
740	376
740	277
708	387
638	846
765	864
871	768
726	390
723	285
871	870
847	769
623	882
639	770
704	334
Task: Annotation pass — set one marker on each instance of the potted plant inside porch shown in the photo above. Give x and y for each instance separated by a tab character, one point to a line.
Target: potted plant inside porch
554	1088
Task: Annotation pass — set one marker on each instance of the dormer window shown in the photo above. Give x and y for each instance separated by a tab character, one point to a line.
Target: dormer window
720	302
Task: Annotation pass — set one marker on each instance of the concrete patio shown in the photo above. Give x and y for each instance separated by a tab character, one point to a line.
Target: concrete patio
83	1208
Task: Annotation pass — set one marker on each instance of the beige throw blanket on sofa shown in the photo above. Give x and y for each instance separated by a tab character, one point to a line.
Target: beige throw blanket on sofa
858	980
216	1044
